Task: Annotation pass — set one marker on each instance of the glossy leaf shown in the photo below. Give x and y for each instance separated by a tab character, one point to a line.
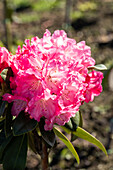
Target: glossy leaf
2	136
64	139
15	156
69	125
1	124
105	81
31	142
8	120
72	125
73	137
23	124
67	130
99	67
2	107
81	133
37	141
9	74
48	136
76	121
3	143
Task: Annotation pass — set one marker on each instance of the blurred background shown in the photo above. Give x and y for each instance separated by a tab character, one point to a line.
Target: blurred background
89	20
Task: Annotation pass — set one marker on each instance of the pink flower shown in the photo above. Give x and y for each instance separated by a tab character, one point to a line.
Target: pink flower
94	88
51	78
19	103
4	60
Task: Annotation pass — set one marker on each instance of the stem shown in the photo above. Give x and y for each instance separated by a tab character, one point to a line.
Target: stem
44	156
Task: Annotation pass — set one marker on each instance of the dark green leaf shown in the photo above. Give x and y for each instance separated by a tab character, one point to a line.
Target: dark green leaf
8	120
81	119
4	73
76	121
23	124
99	67
1	124
37	141
105	81
81	133
2	107
3	143
16	153
2	136
9	74
73	137
69	125
72	125
64	139
31	142
48	136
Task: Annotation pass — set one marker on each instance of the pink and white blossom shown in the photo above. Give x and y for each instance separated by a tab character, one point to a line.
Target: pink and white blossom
51	78
4	60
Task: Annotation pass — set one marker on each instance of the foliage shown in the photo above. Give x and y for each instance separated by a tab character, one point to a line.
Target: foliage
14	147
86	6
84	10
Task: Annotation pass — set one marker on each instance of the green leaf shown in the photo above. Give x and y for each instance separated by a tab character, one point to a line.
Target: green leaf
16	153
23	124
81	133
64	139
105	81
76	121
98	67
4	74
72	125
9	74
2	107
67	130
3	143
8	120
1	124
31	142
37	140
69	125
48	136
73	137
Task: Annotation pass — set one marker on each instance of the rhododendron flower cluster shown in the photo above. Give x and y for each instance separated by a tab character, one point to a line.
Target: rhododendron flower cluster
51	78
